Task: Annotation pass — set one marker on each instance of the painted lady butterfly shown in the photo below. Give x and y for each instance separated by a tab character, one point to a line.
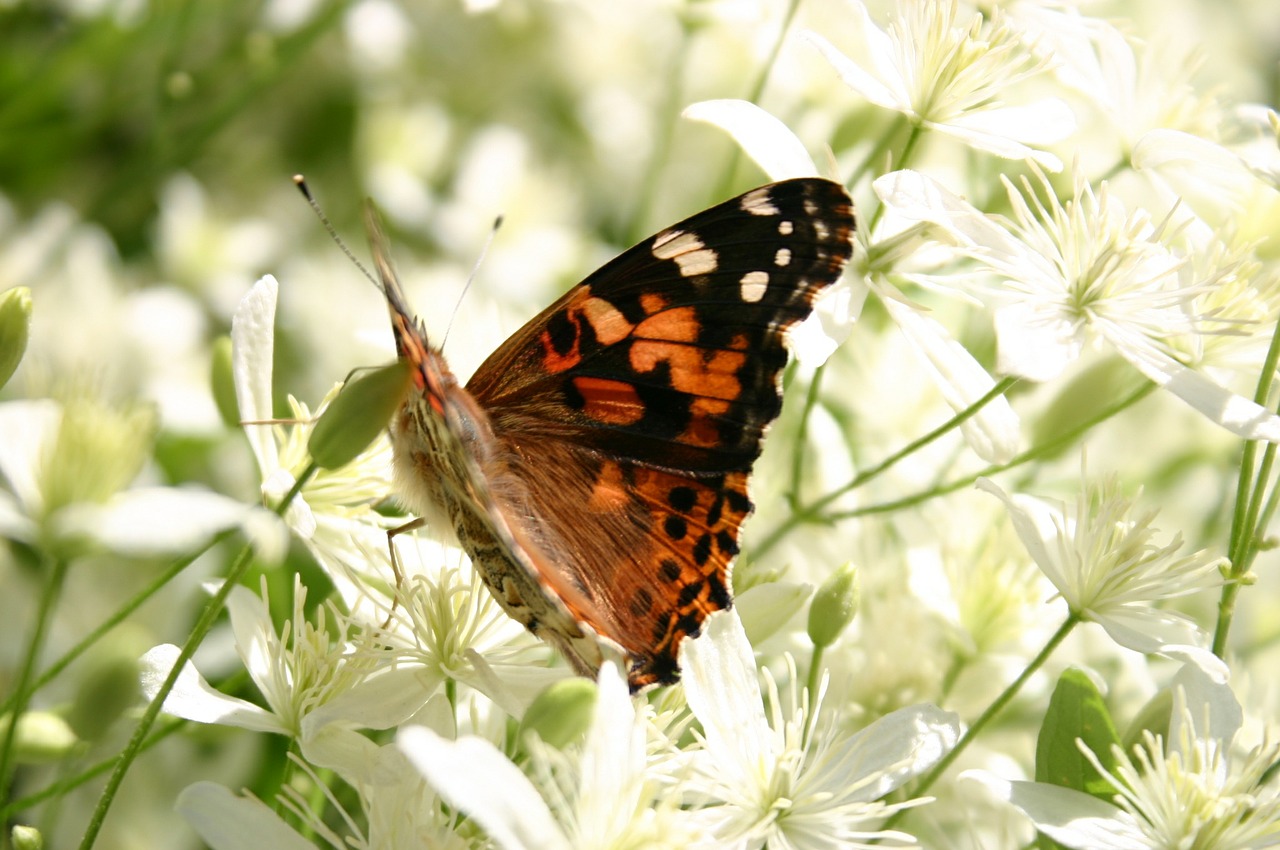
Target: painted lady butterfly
595	466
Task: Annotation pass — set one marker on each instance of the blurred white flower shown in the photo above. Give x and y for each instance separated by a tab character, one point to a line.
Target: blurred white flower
603	795
789	780
1103	562
1070	273
950	76
1190	790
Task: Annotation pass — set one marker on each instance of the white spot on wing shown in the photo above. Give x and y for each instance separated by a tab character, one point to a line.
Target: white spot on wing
821	230
687	250
758	202
754	285
786	228
782	258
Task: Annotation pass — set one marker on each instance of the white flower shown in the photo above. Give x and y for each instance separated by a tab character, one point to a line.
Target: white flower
601	797
1075	272
1190	791
788	780
949	77
308	677
1108	570
66	467
451	625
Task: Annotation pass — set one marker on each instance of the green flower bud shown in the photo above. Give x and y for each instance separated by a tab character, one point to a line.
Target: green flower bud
42	737
26	838
105	692
15	327
561	714
834	606
223	383
358	414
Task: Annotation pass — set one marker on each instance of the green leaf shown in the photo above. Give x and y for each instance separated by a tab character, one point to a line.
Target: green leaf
1076	710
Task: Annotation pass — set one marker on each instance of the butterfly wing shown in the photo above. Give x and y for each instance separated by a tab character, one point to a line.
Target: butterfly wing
632	409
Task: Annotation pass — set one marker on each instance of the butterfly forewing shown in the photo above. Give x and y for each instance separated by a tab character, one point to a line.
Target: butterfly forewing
669	354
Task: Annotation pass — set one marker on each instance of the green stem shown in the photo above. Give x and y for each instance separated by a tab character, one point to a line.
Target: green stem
812	513
754	93
815	670
807	512
1248	520
57	574
65	786
913	138
797	453
207	618
1006	696
118	617
658	158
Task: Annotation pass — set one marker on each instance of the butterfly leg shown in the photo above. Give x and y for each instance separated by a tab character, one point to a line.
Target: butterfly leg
411	525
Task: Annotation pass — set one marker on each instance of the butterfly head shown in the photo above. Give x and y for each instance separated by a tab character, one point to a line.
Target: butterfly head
430	374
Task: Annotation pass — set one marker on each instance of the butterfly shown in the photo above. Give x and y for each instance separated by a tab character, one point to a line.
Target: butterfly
595	466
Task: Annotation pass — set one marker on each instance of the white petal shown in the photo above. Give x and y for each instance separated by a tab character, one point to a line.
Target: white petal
1011	131
1148	630
1034	344
1208	700
720	685
355	758
252	350
1233	412
993	433
155	520
473	776
816	338
227	822
1068	816
1161	147
760	135
26	427
900	746
916	197
380	702
873	86
614	752
1037	525
766	608
193	699
255	638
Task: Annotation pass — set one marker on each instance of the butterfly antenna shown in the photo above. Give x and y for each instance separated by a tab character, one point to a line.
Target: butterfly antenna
301	183
493	231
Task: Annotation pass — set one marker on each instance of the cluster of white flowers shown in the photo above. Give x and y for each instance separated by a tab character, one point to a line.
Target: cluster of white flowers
964	611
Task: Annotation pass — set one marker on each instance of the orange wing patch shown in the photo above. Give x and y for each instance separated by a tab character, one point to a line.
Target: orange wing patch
608	401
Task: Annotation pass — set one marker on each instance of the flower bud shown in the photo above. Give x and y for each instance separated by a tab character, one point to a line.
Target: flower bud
358	414
222	382
42	737
15	327
834	606
26	838
107	689
561	714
